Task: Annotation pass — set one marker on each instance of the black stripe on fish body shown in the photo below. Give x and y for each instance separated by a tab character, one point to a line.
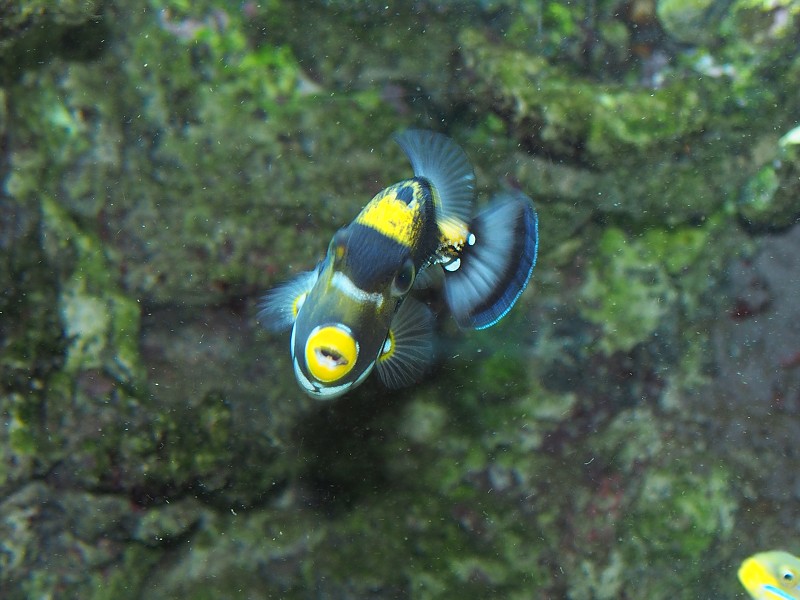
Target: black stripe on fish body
373	258
485	280
428	242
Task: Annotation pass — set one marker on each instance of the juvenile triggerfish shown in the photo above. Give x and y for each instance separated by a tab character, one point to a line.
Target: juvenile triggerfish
353	311
773	575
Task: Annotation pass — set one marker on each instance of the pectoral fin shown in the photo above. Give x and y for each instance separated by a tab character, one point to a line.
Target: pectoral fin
408	349
279	307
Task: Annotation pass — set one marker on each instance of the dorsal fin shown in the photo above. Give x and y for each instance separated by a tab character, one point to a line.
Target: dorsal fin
441	161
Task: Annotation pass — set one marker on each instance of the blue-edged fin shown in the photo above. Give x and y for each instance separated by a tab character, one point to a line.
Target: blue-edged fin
441	161
279	307
408	349
484	282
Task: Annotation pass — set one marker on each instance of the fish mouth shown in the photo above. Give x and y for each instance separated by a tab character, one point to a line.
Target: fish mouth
330	353
331	358
326	392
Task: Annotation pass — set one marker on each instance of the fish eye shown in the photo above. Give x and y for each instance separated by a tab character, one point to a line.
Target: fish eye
404	278
788	576
337	245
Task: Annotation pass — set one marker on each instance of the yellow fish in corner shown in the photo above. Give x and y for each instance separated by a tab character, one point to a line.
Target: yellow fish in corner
773	575
353	313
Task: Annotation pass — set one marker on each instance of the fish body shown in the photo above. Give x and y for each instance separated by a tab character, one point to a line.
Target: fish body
353	313
773	575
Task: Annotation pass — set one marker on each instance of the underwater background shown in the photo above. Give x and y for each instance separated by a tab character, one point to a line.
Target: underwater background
629	430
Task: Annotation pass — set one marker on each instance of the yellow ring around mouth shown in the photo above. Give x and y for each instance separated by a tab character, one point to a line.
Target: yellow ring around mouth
331	353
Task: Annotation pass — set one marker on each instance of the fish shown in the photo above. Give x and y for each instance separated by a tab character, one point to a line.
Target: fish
354	312
773	575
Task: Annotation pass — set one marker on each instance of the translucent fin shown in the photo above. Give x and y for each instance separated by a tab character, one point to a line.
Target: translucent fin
484	282
442	162
428	278
408	348
279	307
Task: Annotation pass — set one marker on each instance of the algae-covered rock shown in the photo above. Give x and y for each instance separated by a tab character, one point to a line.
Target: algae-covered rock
163	165
18	18
598	118
690	21
54	539
633	151
625	294
769	199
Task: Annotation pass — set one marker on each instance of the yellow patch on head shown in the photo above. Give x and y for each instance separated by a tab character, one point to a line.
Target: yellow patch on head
331	353
393	217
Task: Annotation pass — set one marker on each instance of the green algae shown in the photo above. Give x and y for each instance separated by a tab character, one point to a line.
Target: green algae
633	285
241	555
673	512
129	578
768	199
701	511
688	21
604	119
221	156
101	323
27	27
625	294
66	534
169	523
632	437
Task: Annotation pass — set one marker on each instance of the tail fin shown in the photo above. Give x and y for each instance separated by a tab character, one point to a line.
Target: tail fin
495	268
